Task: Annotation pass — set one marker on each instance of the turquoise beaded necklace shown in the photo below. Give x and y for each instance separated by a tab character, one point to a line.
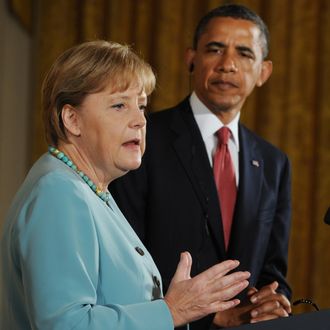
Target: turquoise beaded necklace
104	195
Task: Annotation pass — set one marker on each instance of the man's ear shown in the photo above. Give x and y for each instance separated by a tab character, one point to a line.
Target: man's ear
70	119
189	59
266	71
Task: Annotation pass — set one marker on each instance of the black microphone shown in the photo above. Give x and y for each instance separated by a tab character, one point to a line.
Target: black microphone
327	217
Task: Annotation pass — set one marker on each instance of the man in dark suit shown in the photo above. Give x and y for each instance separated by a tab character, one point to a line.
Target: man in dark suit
172	200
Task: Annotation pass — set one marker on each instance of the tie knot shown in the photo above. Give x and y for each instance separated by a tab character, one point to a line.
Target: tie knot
223	135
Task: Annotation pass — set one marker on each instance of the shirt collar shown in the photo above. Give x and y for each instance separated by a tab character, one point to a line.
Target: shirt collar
209	123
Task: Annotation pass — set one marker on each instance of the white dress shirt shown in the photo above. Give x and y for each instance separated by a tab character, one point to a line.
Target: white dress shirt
209	124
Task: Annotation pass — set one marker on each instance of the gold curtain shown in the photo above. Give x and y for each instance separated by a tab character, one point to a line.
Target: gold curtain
292	110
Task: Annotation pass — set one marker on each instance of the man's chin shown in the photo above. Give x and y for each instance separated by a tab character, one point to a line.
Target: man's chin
224	105
218	103
221	108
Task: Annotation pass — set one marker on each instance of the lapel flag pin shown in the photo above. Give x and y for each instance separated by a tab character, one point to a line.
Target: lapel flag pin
255	163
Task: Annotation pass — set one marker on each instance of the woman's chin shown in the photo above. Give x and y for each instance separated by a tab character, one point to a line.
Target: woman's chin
130	166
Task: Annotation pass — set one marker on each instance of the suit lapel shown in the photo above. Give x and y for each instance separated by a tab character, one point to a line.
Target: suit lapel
250	182
195	161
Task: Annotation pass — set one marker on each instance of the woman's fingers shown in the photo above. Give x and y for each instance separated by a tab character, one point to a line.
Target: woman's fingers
220	306
231	291
218	270
209	292
184	267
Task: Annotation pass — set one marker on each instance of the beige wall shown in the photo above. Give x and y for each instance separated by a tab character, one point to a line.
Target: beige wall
14	106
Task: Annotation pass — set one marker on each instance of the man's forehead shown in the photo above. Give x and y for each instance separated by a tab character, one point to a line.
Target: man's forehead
224	24
227	29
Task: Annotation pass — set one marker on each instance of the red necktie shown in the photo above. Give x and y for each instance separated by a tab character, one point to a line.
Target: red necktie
224	175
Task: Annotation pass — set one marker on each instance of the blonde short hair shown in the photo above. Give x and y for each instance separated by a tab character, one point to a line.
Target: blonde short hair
89	68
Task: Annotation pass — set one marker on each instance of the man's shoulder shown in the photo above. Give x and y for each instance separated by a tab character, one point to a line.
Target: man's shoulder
168	113
262	143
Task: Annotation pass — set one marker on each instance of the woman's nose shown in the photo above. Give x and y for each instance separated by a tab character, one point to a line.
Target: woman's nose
139	119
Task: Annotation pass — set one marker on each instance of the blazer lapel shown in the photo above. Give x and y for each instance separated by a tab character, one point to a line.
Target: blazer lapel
250	182
196	164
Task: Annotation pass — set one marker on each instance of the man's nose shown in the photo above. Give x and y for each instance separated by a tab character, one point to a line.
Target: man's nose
227	63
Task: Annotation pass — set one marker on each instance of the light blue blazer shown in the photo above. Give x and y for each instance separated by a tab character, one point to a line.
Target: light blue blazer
69	261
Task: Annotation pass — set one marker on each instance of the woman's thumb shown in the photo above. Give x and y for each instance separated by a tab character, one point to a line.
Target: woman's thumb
183	269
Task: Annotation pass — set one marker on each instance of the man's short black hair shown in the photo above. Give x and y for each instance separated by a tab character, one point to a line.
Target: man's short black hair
237	12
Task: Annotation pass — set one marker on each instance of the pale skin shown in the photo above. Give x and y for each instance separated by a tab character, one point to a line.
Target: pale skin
211	291
106	139
106	133
227	65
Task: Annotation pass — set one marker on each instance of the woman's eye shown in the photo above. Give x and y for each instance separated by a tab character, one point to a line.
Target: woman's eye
118	106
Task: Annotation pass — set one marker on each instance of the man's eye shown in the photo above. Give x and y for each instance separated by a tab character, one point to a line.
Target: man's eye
215	50
248	55
143	107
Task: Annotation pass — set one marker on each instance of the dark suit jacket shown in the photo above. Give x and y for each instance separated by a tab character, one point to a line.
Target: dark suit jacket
172	203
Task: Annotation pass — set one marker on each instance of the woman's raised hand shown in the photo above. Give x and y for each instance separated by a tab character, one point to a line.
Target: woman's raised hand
211	291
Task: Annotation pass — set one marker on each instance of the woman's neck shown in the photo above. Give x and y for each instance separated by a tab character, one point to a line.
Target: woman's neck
80	158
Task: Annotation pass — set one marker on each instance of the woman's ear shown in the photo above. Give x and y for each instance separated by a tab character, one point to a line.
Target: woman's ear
70	119
266	71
